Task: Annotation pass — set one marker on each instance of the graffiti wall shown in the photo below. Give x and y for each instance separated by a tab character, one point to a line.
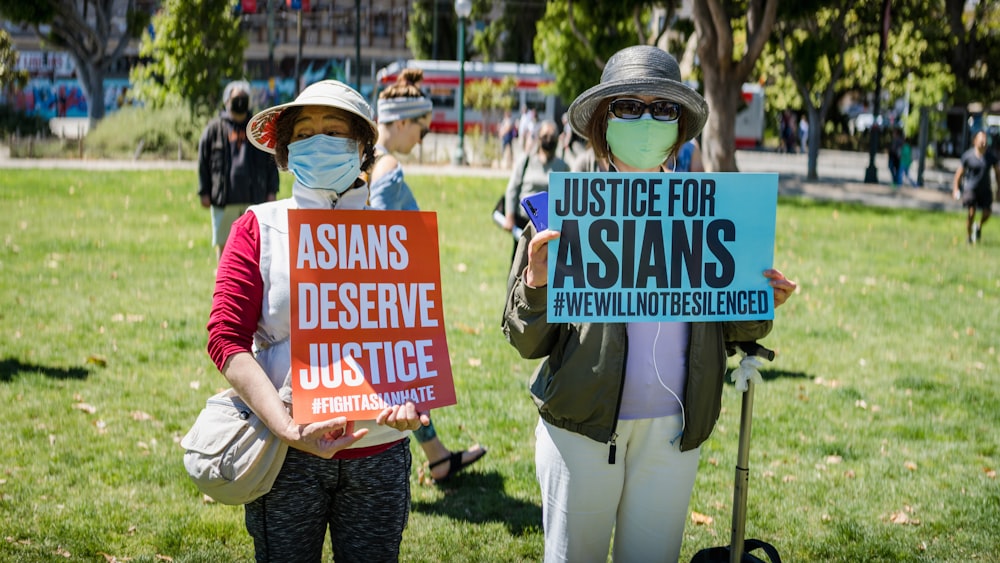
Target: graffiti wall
54	92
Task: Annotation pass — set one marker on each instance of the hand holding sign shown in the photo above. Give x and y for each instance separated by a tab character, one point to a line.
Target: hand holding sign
325	439
403	417
537	272
783	287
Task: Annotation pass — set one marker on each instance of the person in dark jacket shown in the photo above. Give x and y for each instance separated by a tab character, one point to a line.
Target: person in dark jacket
232	173
623	407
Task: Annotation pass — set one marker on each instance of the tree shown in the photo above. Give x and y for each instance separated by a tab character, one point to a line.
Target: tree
575	39
196	46
87	30
974	41
10	78
511	37
812	39
490	98
723	72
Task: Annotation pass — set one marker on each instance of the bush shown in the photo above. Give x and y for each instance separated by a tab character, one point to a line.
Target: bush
16	122
168	133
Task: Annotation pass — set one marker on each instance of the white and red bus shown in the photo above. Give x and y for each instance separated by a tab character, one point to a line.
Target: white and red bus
749	132
441	85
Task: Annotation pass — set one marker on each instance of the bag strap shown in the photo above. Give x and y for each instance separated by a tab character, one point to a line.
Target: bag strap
768	549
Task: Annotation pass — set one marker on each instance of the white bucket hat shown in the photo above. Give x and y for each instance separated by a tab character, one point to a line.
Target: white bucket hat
329	93
641	70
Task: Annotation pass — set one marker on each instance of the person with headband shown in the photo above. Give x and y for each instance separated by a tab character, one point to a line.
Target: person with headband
623	407
351	478
404	118
232	173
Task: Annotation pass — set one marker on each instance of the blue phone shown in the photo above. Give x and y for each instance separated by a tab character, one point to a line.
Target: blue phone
537	208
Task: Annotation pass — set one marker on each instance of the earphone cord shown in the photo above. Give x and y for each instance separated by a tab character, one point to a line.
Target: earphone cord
671	391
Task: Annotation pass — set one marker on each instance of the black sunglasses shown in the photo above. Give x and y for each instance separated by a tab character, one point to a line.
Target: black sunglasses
661	110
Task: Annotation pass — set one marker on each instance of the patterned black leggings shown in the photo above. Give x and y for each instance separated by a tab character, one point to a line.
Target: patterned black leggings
363	502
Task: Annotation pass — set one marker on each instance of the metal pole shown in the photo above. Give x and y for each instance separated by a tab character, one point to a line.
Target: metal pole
357	44
742	478
270	38
871	174
459	157
434	32
298	54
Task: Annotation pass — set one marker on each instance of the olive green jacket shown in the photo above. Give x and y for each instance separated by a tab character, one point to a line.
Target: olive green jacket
578	386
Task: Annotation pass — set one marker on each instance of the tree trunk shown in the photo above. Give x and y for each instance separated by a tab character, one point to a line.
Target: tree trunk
718	142
91	78
814	139
724	74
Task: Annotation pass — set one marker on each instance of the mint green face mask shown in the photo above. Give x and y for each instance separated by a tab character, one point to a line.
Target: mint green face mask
641	143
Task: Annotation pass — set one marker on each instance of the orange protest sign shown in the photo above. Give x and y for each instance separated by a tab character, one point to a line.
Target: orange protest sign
366	313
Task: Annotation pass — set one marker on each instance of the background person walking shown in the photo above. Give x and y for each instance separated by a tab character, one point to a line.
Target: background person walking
232	173
971	184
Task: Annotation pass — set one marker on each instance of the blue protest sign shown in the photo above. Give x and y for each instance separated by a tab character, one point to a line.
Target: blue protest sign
661	247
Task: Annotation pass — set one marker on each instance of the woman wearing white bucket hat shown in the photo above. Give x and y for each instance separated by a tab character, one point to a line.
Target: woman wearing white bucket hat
350	478
623	407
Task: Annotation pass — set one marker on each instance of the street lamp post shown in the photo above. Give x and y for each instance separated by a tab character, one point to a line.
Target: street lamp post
463	8
871	173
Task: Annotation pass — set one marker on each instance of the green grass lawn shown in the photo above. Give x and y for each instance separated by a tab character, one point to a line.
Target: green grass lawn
876	433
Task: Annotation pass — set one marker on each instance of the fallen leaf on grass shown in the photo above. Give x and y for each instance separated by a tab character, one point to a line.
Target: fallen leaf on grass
140	416
10	539
991	473
475	362
164	557
195	385
97	360
910	465
903	519
833	459
466	328
63	553
85	407
112	559
701	519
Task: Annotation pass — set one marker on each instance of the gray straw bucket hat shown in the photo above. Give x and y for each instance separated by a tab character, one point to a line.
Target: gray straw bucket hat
641	70
329	93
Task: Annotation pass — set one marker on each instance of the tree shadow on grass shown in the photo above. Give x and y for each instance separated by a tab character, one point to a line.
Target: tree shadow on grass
479	498
9	367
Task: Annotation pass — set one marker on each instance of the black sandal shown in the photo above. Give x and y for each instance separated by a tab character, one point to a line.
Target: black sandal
455	464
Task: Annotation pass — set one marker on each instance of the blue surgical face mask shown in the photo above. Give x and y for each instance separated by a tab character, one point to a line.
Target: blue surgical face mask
322	162
641	143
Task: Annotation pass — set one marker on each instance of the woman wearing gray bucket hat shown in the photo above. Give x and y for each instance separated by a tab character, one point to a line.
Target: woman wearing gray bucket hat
623	407
351	478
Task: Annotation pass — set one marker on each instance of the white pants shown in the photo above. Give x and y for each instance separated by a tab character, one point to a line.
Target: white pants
643	497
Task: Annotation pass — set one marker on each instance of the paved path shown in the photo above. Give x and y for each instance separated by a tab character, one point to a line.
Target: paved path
841	176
